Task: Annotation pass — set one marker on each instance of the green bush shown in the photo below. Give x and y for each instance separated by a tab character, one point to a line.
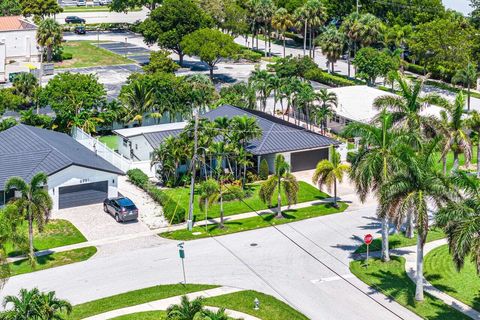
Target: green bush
320	76
172	211
249	55
264	170
351	156
415	68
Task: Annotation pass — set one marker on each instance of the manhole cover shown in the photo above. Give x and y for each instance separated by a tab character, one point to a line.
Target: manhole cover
253	244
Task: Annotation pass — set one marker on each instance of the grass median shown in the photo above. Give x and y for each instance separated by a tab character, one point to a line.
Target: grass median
256	222
400	241
463	285
52	260
391	279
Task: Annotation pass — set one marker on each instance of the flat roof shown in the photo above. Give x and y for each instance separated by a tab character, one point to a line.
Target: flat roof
137	131
356	103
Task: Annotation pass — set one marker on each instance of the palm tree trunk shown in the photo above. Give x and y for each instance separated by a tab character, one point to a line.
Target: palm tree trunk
206	215
478	155
468	98
221	206
279	200
305	40
455	161
348	58
444	165
335	193
385	251
30	236
410	227
284	45
419	277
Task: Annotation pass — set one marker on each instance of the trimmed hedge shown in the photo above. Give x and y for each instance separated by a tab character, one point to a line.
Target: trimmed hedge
332	80
264	169
173	212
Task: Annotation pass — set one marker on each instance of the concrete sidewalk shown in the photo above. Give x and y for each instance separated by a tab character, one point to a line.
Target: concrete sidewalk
163	304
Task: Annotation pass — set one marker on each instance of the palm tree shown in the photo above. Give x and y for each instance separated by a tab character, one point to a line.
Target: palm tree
329	172
302	15
410	191
220	314
328	100
53	308
316	17
260	80
274	82
398	36
351	28
461	221
49	35
23	307
139	102
209	193
468	77
26	86
454	132
331	42
378	157
34	203
186	310
282	21
306	96
282	178
474	123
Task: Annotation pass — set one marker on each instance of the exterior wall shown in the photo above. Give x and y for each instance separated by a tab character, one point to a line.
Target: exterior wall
74	175
337	123
271	160
18	45
141	148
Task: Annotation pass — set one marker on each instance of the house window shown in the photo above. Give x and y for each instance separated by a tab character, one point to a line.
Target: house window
336	118
125	142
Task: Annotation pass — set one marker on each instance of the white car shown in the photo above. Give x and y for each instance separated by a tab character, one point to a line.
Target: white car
81	3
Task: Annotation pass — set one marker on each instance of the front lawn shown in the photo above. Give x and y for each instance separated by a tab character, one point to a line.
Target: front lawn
134	298
461	159
391	279
400	241
306	193
110	141
270	307
257	222
52	260
57	233
441	272
86	54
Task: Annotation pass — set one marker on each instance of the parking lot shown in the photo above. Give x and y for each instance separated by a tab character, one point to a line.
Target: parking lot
140	55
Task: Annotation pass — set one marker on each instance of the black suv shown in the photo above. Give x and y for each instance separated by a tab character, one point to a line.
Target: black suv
74	19
123	209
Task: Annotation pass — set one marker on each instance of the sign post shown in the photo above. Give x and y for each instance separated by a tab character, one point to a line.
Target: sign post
368	240
181	253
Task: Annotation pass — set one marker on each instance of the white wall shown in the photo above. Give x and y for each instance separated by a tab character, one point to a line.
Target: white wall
140	146
74	175
21	45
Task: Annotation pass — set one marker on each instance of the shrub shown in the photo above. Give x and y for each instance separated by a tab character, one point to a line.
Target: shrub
233	193
351	156
264	170
173	212
249	55
319	75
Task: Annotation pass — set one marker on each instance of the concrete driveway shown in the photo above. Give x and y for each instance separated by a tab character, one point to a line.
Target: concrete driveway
96	224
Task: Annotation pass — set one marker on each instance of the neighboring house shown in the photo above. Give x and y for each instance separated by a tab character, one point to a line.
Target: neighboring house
355	103
301	148
76	175
17	43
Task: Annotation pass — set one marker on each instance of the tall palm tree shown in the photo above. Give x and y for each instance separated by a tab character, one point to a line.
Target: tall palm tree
306	96
264	11
316	18
379	156
474	123
186	310
331	42
468	77
282	21
282	181
301	15
411	190
274	82
329	172
454	131
351	28
53	308
49	35
139	102
34	203
461	221
260	80
328	100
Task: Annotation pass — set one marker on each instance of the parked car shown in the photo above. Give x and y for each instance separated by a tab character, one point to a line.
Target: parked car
122	209
81	3
80	30
74	19
105	2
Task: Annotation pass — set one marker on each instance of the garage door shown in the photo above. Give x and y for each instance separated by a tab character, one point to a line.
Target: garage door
82	194
307	160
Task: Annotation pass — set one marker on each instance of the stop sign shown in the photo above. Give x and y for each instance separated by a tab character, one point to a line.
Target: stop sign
368	239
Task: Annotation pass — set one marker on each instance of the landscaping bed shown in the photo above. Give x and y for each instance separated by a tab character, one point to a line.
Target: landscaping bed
86	54
400	241
463	285
391	279
256	222
52	260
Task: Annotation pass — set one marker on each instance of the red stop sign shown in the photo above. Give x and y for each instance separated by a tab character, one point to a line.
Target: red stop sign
368	239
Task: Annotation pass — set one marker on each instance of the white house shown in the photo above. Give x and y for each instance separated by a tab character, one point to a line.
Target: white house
76	175
18	43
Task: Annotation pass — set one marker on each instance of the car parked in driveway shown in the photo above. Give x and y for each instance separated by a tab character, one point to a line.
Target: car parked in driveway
74	19
122	209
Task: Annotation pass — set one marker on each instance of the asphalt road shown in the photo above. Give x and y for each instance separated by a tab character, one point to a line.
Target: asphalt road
305	269
105	17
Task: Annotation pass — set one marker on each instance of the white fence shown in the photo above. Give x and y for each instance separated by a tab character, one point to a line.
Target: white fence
101	149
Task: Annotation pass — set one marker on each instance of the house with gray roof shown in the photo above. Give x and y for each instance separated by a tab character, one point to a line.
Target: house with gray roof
76	175
301	148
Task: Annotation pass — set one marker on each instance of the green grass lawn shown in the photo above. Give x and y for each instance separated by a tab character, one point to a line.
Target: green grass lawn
255	222
461	160
110	141
391	279
441	272
400	241
57	233
85	54
147	315
52	260
306	193
270	308
133	298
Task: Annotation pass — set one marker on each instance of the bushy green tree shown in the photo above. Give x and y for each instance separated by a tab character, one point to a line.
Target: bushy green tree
9	100
372	63
10	8
160	61
210	46
40	9
264	169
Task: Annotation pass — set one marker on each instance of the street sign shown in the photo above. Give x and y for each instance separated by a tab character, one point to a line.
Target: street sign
181	253
368	239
